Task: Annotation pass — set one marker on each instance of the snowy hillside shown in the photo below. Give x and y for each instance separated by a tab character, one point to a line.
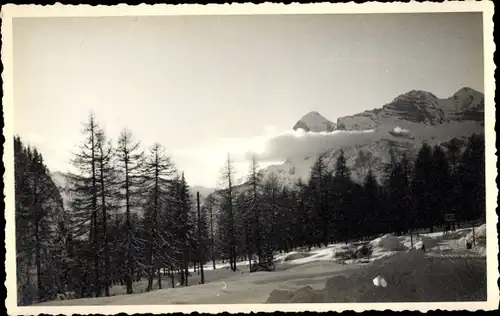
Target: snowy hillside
398	127
446	271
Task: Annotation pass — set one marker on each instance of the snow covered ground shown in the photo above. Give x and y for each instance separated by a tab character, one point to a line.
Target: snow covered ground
445	271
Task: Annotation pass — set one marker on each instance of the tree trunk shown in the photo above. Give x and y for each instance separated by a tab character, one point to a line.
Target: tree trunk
159	278
104	227
411	238
97	286
128	284
172	276
200	242
473	235
212	236
186	270
150	280
41	294
130	269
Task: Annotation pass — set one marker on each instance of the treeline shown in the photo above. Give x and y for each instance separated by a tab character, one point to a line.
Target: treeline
40	243
331	207
131	216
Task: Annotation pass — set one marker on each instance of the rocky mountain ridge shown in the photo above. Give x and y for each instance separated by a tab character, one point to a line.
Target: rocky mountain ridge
398	127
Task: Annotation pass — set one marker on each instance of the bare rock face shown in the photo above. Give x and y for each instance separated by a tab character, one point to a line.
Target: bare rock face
397	128
314	122
420	107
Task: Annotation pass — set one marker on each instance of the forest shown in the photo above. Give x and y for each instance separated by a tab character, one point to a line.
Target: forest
130	214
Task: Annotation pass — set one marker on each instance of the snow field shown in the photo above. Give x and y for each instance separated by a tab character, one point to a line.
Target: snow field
315	276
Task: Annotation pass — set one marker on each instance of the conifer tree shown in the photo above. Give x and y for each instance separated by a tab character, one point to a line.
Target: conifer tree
159	171
400	199
371	217
228	196
84	204
471	175
421	187
129	162
210	207
38	211
254	209
318	200
439	186
341	184
270	211
106	178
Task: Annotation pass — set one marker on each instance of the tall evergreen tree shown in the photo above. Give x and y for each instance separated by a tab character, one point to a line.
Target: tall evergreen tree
84	204
421	187
371	219
228	200
159	173
106	178
270	212
340	190
129	161
38	210
305	230
472	181
318	200
210	207
253	225
184	226
400	198
439	186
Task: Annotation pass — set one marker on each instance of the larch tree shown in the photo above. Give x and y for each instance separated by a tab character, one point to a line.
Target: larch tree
106	178
421	187
254	214
129	162
84	204
228	201
159	172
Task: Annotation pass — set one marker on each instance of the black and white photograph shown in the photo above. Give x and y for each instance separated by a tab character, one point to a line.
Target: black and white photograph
249	157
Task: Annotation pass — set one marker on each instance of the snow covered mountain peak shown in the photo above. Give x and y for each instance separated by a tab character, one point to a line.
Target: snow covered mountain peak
397	127
314	122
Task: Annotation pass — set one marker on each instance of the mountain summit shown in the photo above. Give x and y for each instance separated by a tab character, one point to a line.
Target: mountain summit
418	107
314	122
396	128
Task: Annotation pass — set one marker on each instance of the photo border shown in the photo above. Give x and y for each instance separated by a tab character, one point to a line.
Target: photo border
11	11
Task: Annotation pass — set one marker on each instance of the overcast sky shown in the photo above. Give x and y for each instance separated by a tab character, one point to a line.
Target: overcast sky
205	85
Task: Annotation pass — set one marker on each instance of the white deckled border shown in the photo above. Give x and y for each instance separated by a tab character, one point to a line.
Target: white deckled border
10	11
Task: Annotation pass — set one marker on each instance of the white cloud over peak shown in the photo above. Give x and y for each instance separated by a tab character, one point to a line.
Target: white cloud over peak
203	164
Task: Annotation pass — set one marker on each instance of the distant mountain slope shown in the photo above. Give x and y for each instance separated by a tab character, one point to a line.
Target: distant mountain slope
314	122
419	107
398	127
62	182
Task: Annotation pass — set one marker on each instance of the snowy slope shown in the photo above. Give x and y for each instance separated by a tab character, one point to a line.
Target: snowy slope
318	269
400	126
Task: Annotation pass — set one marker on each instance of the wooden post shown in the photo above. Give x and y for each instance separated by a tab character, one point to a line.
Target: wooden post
200	242
473	235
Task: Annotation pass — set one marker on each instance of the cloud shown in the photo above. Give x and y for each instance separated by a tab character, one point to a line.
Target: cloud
298	143
399	132
203	164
